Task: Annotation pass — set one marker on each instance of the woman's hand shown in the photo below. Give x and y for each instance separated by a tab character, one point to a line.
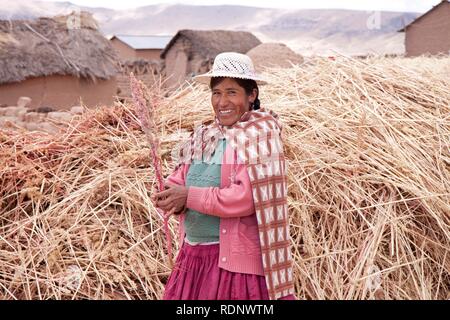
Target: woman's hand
172	199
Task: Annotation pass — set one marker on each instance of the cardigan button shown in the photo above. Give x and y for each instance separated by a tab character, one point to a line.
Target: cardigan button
224	230
224	259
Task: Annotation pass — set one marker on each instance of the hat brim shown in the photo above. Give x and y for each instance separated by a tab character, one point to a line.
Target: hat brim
206	77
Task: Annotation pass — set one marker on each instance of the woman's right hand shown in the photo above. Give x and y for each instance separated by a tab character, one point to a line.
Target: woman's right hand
172	199
163	213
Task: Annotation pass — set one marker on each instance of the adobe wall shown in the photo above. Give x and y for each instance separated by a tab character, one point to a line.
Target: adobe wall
430	34
60	92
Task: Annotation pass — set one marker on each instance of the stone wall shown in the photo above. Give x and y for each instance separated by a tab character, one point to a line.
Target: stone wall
22	116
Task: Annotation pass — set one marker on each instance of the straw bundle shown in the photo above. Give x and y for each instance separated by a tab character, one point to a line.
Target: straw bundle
369	170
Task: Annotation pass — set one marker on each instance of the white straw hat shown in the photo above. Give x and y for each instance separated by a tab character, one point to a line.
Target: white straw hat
231	65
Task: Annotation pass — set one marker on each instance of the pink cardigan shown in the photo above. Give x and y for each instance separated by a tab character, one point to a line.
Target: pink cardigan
240	249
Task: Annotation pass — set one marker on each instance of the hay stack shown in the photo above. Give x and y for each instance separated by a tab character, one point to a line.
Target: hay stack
369	170
274	55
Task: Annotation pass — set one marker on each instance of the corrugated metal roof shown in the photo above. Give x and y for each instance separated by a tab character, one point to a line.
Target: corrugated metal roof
145	42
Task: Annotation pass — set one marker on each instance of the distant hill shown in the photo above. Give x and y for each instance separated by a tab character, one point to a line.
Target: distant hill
306	31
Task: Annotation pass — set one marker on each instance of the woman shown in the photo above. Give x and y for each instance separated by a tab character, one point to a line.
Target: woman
229	190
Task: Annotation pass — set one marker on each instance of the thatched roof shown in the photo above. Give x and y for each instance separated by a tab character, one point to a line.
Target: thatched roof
63	45
273	55
211	43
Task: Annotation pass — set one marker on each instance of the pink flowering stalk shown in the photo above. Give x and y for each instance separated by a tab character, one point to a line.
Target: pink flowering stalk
148	125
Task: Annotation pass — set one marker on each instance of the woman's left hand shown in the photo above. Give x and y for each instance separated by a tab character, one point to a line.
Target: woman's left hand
173	198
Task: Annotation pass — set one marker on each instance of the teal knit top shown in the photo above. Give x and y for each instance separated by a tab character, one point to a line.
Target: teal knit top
199	227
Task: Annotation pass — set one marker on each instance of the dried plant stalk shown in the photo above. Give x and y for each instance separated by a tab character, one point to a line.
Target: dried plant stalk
147	116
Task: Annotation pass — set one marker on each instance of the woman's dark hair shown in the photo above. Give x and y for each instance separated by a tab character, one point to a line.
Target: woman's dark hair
247	84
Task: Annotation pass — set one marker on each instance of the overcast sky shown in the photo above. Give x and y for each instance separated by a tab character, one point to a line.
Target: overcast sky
369	5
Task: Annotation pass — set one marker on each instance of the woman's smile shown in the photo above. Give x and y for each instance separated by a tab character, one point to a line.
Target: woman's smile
225	112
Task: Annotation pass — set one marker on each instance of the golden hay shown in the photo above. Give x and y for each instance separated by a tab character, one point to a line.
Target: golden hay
369	192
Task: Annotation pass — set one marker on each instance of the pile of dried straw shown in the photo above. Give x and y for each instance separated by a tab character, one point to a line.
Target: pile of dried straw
369	193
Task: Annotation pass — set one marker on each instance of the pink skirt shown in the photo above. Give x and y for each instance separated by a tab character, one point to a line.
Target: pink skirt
196	276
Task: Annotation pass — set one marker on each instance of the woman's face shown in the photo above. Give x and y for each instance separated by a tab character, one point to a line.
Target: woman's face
230	101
